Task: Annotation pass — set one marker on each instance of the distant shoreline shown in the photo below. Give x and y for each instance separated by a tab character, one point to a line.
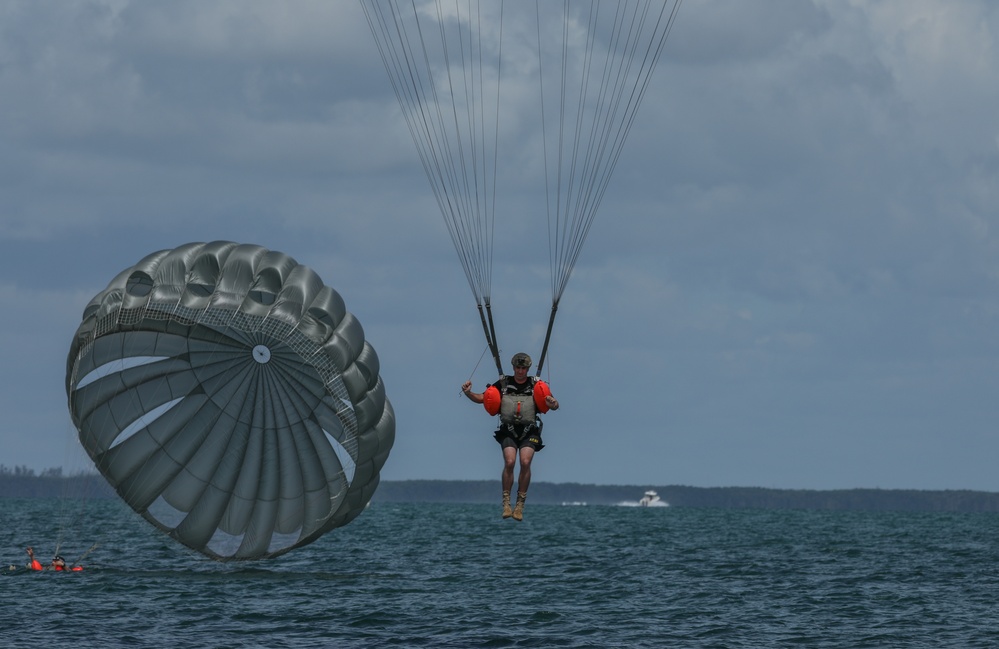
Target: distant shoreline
54	485
487	491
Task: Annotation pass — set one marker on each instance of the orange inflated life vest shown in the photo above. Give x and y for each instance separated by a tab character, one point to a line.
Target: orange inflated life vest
541	392
491	400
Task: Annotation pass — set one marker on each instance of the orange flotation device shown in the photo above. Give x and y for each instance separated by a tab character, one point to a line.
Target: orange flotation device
491	400
541	392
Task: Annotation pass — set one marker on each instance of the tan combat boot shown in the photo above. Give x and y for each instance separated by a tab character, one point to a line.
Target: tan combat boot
518	509
507	512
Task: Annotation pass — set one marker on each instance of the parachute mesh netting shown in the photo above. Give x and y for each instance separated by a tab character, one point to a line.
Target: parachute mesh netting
230	399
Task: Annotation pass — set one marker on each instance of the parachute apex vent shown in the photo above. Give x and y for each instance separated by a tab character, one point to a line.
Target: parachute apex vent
261	354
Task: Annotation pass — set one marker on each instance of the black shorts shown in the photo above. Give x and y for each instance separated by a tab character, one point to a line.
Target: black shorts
513	436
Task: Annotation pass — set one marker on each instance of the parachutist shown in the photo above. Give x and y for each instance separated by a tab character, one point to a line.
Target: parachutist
519	400
58	563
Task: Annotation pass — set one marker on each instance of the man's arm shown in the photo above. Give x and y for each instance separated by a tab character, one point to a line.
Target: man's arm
474	397
35	565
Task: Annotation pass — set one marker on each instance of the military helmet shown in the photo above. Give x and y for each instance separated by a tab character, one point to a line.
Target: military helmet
520	359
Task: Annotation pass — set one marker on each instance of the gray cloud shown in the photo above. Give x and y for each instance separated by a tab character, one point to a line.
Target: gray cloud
791	281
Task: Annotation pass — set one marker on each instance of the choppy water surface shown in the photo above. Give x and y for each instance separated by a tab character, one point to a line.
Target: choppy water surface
458	576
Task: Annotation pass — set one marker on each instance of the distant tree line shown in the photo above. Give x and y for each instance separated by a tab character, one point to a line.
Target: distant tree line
25	472
487	491
22	482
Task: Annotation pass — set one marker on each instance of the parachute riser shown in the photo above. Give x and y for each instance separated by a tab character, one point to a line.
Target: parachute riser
548	337
486	316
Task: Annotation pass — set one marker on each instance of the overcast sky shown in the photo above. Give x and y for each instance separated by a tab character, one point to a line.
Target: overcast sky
792	281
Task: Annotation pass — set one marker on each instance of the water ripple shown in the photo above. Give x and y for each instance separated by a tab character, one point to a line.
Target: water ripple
458	576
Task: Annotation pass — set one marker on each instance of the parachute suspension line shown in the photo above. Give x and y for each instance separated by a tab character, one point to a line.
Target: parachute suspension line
83	556
552	236
480	221
477	363
603	64
565	218
614	142
442	91
610	89
582	180
487	216
492	212
613	75
470	219
577	228
554	226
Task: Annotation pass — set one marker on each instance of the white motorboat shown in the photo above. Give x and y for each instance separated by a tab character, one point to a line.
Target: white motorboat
650	498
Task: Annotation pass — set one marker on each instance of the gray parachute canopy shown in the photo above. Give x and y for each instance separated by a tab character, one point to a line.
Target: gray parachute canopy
230	399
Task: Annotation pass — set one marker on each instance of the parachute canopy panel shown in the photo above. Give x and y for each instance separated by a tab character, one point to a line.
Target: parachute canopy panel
230	399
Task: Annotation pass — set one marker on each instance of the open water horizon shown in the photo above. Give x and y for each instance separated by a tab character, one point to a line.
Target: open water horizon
445	575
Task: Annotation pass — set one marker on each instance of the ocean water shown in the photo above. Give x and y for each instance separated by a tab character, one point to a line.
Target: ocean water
432	575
